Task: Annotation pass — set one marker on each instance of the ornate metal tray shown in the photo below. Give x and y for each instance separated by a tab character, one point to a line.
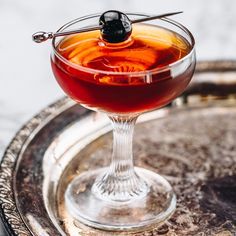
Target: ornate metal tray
192	143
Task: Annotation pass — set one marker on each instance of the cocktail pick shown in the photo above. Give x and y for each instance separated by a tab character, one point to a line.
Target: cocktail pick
42	36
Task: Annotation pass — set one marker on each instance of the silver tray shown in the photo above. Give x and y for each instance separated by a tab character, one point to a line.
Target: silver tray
192	142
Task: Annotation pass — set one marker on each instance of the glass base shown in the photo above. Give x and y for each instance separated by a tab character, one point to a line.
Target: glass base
150	209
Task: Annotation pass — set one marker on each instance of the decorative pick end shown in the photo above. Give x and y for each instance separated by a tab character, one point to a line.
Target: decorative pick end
42	36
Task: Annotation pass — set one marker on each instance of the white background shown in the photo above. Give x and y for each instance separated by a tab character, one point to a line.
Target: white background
26	81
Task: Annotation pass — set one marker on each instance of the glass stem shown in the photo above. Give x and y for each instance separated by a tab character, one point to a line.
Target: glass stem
121	183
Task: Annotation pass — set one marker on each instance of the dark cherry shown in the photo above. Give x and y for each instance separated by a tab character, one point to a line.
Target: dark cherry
116	26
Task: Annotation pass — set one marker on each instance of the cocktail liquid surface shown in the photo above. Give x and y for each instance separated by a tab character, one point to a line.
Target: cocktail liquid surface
129	77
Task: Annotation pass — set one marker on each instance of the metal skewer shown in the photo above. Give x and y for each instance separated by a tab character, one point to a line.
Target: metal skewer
156	17
42	36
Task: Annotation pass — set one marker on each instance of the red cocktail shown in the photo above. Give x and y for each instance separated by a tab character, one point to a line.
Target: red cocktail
113	77
145	70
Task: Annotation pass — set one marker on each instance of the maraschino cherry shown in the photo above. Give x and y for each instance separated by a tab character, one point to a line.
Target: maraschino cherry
116	26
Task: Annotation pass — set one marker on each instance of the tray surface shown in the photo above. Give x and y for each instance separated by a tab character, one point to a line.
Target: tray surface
191	143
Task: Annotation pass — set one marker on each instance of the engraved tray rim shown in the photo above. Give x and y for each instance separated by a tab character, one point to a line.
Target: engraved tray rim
9	213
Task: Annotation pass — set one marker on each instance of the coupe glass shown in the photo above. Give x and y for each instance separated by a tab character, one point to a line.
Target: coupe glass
122	197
